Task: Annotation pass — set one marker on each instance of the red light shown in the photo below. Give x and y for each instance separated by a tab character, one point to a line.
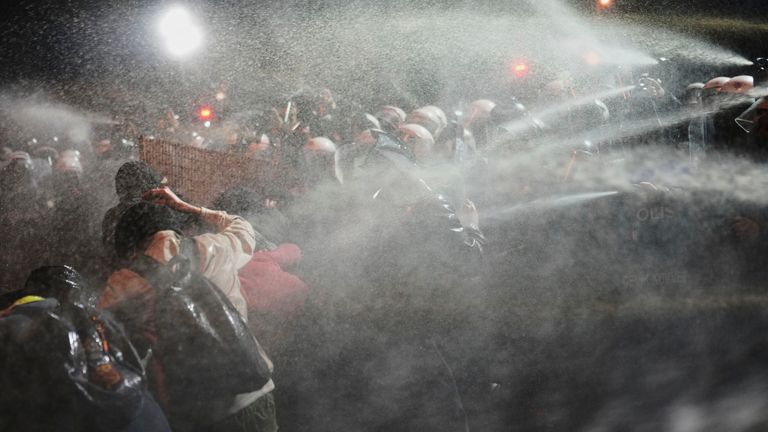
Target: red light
205	113
604	4
592	58
520	69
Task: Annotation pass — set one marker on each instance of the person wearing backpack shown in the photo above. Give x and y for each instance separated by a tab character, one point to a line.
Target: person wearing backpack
65	366
166	315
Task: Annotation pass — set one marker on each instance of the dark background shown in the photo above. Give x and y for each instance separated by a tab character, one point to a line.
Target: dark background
80	46
65	40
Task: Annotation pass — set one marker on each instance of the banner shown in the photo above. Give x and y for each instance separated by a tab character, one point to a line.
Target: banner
201	175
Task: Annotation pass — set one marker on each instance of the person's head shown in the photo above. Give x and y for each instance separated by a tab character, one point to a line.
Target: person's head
739	85
390	118
418	139
134	178
139	223
477	120
259	148
320	160
441	117
359	123
18	173
426	117
49	154
692	94
5	154
63	283
325	102
69	163
103	148
712	93
21	159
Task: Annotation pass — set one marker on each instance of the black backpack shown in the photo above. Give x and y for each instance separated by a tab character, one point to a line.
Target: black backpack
206	350
67	368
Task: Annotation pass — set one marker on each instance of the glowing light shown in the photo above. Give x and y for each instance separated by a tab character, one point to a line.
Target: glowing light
205	113
207	124
179	31
520	69
604	4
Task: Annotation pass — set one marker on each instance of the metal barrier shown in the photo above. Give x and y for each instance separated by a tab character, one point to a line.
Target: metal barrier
201	175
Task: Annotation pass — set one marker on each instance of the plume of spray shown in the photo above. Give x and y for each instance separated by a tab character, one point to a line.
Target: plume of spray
674	45
562	107
577	37
39	117
544	204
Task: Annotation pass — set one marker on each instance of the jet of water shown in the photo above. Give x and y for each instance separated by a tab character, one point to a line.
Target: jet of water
546	204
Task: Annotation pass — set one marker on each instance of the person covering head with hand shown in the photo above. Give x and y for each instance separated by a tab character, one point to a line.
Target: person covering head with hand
150	231
132	181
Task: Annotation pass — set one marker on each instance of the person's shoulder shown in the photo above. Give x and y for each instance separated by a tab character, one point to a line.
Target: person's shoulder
32	308
23	320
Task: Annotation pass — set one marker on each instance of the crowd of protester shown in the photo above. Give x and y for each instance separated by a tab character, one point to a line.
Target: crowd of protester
126	307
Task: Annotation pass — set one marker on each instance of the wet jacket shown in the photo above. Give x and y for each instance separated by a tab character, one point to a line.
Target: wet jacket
59	371
221	255
267	287
35	396
275	297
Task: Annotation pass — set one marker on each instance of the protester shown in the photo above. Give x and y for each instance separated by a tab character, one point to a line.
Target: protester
132	180
275	297
381	216
67	367
152	230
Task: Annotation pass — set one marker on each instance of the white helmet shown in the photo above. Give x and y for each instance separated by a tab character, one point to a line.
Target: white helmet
739	84
477	111
21	158
418	139
320	157
259	148
69	161
713	90
320	145
390	117
440	114
425	117
716	83
692	94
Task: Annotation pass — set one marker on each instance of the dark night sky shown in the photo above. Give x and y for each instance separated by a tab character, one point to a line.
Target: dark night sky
91	40
67	39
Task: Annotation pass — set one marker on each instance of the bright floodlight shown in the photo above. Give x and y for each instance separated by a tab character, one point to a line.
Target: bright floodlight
180	33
